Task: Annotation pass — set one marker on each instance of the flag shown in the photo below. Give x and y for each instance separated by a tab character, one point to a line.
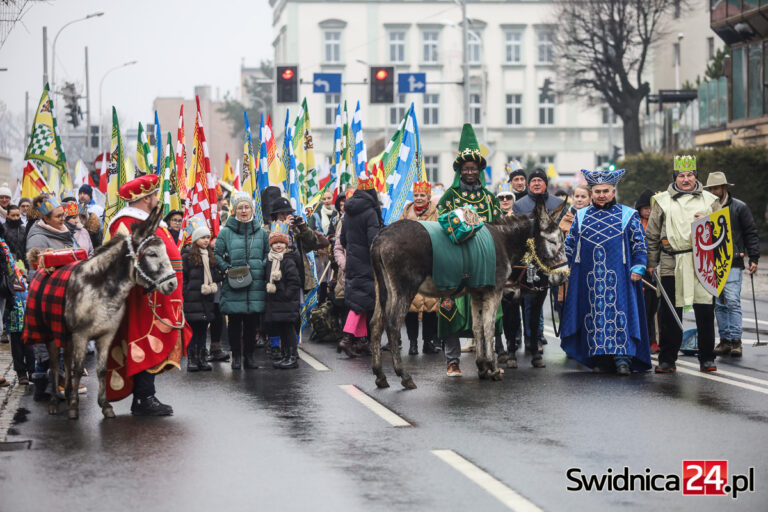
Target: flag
263	172
103	174
381	179
337	165
32	182
360	158
181	157
82	176
551	172
44	143
54	179
166	186
116	175
159	160
285	157
304	149
236	174
143	153
228	176
248	177
405	172
389	158
276	176
202	198
346	172
294	194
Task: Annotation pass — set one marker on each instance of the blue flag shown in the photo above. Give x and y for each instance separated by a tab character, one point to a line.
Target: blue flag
263	174
158	144
405	172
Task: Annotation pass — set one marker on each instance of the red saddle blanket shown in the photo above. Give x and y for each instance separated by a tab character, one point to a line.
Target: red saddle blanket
44	319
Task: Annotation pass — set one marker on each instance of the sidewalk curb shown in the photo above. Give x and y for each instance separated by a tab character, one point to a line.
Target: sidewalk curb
10	396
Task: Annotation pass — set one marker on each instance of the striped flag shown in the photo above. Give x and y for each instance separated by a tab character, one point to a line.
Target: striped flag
263	174
167	182
181	157
276	176
360	158
117	175
346	171
143	153
338	165
405	172
32	182
202	199
159	160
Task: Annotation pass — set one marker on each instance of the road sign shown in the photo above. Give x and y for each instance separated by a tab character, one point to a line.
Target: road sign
99	158
411	82
326	83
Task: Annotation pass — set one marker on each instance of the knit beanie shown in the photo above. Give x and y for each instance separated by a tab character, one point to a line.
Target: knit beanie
5	190
87	189
200	232
516	172
538	173
241	198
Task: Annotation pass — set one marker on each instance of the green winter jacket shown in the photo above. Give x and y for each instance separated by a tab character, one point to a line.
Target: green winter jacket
230	251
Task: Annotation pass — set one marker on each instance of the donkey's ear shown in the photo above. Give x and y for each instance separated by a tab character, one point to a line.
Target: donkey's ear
149	226
557	212
540	213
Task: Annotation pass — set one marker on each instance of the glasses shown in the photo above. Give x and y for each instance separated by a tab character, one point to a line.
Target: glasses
506	197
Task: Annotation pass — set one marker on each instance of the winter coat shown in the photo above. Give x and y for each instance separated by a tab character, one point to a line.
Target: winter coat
230	252
744	231
361	225
304	241
83	239
285	303
526	204
420	303
340	256
198	307
42	238
93	226
16	237
567	220
316	222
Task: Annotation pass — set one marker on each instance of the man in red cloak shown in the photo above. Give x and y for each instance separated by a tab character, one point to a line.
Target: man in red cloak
153	334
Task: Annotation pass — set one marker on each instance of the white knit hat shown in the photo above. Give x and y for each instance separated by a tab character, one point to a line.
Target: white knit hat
200	232
5	190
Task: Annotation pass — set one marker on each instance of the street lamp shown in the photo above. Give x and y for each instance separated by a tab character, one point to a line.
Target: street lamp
465	53
53	48
101	85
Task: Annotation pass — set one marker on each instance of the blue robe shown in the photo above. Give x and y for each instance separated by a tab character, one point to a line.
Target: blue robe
604	312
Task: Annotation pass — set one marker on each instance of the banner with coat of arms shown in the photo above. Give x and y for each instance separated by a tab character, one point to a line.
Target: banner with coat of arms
713	249
44	144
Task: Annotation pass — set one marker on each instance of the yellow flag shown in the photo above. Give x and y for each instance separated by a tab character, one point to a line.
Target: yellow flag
551	172
44	143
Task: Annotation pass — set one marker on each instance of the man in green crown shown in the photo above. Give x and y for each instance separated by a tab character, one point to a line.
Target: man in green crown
455	317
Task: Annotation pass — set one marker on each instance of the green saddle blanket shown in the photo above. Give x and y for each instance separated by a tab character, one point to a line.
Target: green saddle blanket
473	263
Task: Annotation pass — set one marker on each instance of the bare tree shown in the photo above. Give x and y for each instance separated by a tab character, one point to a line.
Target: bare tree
603	47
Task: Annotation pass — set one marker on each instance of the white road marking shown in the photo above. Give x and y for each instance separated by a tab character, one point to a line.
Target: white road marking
733	375
491	485
381	411
713	376
311	361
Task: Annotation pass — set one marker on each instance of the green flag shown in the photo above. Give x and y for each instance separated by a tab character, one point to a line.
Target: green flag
116	175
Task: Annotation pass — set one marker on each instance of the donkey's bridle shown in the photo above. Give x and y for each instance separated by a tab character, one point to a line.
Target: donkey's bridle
137	255
530	257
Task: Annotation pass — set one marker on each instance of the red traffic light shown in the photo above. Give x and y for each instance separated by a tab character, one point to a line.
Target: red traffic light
287	74
381	74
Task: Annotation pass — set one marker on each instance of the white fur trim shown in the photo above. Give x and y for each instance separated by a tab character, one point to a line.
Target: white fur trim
134	213
271	288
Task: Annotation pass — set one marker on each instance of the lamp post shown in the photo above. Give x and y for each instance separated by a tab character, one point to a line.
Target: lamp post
465	53
53	47
101	86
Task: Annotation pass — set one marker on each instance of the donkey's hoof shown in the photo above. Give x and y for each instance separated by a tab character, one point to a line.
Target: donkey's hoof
382	383
497	375
408	383
483	374
108	412
73	414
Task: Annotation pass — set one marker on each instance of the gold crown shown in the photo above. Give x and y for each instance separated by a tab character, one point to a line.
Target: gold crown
685	163
422	187
366	184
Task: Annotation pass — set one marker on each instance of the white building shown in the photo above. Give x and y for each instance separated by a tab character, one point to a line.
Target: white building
510	43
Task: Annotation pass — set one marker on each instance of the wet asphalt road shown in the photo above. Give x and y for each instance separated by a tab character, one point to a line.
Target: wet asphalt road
294	440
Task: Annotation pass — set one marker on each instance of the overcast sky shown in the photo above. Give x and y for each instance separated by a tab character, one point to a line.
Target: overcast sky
178	44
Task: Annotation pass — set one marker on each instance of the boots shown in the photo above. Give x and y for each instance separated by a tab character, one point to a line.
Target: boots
217	354
193	362
250	355
237	360
346	344
363	346
291	361
429	348
202	361
736	348
277	362
724	347
414	348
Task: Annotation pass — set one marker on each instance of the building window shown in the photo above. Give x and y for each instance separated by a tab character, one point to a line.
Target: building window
331	102
474	48
609	117
397	110
739	82
475	109
432	167
430	39
546	110
332	43
431	109
755	80
397	47
515	158
546	50
545	160
513	47
711	47
514	109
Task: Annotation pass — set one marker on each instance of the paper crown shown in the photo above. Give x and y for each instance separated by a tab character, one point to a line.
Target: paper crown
364	182
83	210
70	208
505	189
513	166
603	176
68	193
48	205
280	232
422	187
139	187
349	193
685	163
192	224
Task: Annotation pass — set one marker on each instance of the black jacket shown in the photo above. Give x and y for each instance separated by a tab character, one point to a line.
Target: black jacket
362	222
198	307
744	230
285	303
16	237
526	204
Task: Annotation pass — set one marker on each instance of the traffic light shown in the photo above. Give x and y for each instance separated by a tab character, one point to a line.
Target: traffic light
545	91
382	84
94	131
74	114
287	84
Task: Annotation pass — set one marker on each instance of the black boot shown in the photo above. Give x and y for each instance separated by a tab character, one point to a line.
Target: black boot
40	380
284	355
414	348
250	356
429	348
291	361
202	361
193	361
217	354
277	354
237	360
150	406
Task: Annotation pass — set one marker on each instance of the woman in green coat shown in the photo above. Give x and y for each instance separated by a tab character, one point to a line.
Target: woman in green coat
241	250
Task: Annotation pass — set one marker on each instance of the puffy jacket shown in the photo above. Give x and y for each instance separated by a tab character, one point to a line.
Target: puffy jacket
526	204
420	303
198	307
284	304
16	236
230	252
361	225
744	231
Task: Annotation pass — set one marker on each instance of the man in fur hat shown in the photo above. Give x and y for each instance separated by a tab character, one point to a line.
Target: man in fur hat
152	336
468	189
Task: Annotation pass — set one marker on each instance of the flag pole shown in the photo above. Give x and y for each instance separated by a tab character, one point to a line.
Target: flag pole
754	304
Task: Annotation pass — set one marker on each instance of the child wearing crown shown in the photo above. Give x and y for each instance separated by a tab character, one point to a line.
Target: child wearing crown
283	295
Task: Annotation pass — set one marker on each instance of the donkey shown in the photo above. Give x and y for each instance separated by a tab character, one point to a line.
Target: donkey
95	300
402	263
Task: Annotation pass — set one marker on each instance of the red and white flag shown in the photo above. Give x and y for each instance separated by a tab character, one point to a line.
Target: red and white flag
201	198
181	157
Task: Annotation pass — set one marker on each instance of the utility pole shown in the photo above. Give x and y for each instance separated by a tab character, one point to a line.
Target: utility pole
26	113
465	53
45	56
87	107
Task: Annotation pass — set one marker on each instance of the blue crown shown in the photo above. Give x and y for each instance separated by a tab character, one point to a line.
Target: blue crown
280	227
603	176
48	206
505	188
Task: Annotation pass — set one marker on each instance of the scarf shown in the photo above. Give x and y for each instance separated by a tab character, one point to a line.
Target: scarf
274	274
209	287
325	217
13	223
420	210
63	235
469	188
606	206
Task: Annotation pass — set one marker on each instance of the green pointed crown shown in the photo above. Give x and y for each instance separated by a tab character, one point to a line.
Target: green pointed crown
685	163
469	149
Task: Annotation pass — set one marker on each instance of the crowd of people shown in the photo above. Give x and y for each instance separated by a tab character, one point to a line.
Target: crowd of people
242	291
